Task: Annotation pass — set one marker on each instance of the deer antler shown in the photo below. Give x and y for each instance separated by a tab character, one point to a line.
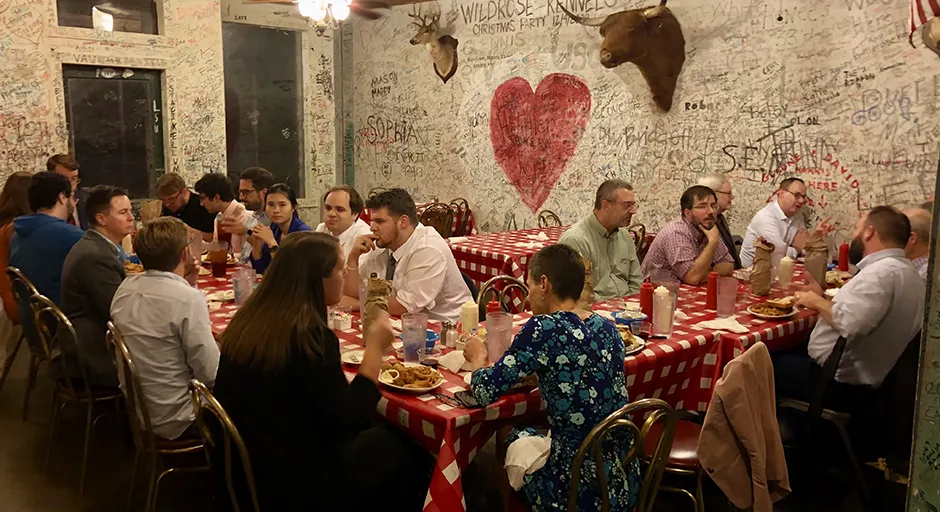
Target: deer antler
421	20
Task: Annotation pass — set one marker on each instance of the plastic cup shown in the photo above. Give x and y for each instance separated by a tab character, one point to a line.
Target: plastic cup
498	334
243	283
218	254
727	294
221	234
414	329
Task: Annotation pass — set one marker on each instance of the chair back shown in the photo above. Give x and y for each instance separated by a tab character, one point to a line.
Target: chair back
644	246
57	337
204	401
440	217
897	399
137	414
548	218
656	410
462	208
501	286
825	376
23	289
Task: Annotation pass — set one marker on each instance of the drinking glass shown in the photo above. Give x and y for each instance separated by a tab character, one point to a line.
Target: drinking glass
218	254
243	283
727	293
414	332
498	334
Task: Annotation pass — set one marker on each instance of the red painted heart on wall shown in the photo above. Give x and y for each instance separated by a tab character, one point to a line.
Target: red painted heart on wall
534	134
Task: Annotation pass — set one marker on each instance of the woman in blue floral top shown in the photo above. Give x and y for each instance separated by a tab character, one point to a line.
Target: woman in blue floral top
579	363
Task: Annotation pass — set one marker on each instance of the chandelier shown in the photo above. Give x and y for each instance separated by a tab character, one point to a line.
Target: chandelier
324	13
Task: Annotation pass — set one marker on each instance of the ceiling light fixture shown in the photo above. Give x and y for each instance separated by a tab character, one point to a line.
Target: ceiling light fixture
324	14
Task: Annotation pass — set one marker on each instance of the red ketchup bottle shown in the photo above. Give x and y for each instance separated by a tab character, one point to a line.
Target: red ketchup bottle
493	306
711	292
844	257
646	300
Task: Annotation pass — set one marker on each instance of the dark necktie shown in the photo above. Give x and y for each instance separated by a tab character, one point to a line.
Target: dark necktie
390	269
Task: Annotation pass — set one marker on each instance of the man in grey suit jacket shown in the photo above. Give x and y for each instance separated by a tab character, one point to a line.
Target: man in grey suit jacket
92	272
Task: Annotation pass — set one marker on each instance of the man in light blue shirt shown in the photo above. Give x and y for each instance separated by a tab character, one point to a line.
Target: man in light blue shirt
918	245
878	312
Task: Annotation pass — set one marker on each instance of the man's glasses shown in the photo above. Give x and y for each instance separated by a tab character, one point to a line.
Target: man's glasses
729	194
171	199
629	205
798	196
706	207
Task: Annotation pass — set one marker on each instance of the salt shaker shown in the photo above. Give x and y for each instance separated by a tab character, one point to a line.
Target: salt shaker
448	334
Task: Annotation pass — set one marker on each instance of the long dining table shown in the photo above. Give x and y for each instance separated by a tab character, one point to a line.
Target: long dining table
681	370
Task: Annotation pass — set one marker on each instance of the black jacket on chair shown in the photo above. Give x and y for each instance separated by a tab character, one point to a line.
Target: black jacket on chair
726	237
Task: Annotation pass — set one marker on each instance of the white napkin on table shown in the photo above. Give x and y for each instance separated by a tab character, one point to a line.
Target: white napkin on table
679	316
541	236
525	456
457	239
529	245
454	361
723	324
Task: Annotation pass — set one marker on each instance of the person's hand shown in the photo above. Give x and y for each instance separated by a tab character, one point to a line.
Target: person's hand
823	228
264	233
362	245
712	234
379	337
475	353
810	286
810	300
234	225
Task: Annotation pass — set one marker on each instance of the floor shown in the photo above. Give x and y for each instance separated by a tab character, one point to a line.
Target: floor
24	487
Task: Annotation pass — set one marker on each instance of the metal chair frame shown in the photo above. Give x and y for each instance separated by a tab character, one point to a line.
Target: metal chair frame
145	441
439	216
463	216
55	334
548	218
23	290
658	411
203	400
501	285
698	499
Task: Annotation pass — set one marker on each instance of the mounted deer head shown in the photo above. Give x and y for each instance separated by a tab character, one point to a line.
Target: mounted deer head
443	49
651	38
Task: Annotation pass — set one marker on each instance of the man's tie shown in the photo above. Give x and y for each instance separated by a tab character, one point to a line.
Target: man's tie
390	269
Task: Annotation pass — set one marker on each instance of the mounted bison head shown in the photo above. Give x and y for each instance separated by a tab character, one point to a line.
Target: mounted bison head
651	38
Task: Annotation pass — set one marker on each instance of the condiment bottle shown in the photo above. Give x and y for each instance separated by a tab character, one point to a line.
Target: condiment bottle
785	271
662	312
844	257
469	317
493	306
711	291
646	300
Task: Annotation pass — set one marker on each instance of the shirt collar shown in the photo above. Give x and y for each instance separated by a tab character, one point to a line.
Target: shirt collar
697	233
232	208
117	249
405	248
348	231
778	211
162	274
598	228
881	255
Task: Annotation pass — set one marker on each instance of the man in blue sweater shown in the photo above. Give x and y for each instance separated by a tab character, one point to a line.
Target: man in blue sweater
42	240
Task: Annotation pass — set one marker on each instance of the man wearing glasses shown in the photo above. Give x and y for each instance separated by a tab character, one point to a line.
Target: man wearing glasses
781	224
722	187
179	202
690	246
602	239
66	165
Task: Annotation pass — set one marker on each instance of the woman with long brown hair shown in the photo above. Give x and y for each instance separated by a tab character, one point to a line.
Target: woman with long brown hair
13	203
307	428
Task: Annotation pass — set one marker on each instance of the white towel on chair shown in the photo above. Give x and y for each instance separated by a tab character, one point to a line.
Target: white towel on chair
525	456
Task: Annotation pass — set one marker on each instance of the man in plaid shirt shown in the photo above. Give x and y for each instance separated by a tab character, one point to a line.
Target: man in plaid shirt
690	246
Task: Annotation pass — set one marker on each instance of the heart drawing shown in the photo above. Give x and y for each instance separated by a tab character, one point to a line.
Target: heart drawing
534	134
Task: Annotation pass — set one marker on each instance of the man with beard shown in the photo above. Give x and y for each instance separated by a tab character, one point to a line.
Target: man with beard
690	246
781	224
878	311
42	240
720	184
341	208
600	238
413	257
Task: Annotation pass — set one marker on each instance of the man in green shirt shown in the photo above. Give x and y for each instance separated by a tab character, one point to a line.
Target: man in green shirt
601	238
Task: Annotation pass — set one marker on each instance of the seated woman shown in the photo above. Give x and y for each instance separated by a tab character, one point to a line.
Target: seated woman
306	428
579	364
281	207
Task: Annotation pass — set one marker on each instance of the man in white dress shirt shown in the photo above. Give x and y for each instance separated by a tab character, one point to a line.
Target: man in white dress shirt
166	327
216	196
413	257
781	224
341	208
918	246
878	312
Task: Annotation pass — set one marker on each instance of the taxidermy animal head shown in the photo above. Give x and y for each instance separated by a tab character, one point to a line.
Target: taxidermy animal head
443	49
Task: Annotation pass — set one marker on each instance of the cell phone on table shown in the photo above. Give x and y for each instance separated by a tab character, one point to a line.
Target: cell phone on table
467	399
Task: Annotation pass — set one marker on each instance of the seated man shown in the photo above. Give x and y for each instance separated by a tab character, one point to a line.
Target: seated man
166	327
720	183
602	238
690	246
66	165
179	202
92	272
413	257
341	208
918	246
42	240
878	311
781	223
253	185
216	196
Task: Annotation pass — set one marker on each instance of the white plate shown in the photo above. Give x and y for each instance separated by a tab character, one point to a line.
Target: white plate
223	296
766	317
636	349
353	357
386	379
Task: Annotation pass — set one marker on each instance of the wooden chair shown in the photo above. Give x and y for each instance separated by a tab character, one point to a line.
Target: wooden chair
462	208
55	330
147	443
501	286
548	218
440	217
202	401
659	415
23	290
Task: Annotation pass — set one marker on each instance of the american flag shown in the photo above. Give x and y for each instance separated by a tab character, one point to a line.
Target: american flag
922	11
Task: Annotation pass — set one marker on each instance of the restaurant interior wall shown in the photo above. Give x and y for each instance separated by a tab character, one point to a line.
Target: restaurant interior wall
828	91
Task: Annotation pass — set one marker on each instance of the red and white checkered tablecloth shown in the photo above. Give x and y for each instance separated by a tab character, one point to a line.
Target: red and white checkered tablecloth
460	216
506	253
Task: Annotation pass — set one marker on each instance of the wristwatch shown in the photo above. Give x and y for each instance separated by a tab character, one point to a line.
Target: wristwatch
273	249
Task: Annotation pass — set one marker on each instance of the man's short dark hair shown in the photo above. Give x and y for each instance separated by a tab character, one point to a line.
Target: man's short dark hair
693	194
259	177
607	191
398	202
44	189
355	200
785	184
215	184
563	267
892	226
99	199
160	243
66	160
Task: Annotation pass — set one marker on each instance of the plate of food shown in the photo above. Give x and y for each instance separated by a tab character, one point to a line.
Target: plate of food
132	268
836	278
410	377
353	357
222	296
229	259
631	343
773	309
